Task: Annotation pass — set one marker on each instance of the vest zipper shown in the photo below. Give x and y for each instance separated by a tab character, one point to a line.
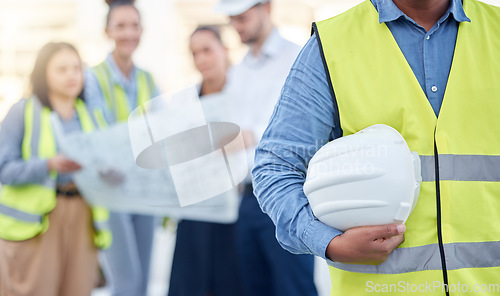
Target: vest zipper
439	229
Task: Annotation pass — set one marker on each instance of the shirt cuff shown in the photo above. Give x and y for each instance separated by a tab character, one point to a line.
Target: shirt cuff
40	168
317	236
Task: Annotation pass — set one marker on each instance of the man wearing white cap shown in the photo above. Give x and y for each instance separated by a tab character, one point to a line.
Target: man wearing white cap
255	84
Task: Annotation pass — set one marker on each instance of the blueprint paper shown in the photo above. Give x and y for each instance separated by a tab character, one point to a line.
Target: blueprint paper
185	171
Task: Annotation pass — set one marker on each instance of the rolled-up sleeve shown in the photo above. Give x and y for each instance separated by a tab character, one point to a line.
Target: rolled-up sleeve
14	170
302	122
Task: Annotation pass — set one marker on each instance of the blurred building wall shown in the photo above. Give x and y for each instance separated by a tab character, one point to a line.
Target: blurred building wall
26	25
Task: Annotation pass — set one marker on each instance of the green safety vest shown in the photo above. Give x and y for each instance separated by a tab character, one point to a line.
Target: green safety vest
453	235
115	96
24	209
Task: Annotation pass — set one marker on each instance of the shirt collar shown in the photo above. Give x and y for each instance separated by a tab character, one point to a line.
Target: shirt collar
116	73
272	46
388	11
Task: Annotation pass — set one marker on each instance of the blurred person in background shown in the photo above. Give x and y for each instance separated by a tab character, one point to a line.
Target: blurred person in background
254	87
117	86
49	236
205	256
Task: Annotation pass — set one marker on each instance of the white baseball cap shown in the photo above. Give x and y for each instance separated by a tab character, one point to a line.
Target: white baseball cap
236	7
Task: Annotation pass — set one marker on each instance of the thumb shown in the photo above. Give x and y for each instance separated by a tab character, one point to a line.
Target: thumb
390	230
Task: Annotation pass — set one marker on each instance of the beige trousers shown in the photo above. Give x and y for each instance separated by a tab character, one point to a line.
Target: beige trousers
60	262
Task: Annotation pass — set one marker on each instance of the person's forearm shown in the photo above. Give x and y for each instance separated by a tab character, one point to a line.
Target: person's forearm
14	170
279	191
20	172
302	122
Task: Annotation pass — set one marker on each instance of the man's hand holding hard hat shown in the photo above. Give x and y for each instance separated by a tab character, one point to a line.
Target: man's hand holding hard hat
365	184
366	244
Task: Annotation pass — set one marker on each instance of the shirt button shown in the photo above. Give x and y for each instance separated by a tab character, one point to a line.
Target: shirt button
428	37
434	88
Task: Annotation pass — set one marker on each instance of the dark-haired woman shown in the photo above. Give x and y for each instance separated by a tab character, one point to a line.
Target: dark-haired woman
49	236
205	253
118	87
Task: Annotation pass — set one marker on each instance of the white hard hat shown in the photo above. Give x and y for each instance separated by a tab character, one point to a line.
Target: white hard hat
368	178
236	7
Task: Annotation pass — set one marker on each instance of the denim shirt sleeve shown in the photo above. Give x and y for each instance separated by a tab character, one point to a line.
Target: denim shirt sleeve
94	98
302	122
13	169
155	91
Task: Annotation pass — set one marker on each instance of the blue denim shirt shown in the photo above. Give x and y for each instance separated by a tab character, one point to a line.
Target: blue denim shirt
303	121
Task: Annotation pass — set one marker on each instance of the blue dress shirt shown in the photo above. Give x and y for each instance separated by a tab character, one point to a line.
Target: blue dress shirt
303	121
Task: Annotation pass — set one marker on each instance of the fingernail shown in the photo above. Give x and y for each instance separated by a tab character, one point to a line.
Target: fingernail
401	228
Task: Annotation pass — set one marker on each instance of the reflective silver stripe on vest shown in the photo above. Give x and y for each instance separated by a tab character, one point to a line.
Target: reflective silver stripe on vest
35	132
103	225
462	168
35	139
458	256
20	215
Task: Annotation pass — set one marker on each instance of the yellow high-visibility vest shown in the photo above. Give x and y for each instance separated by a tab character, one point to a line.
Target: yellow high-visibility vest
115	96
453	236
24	209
